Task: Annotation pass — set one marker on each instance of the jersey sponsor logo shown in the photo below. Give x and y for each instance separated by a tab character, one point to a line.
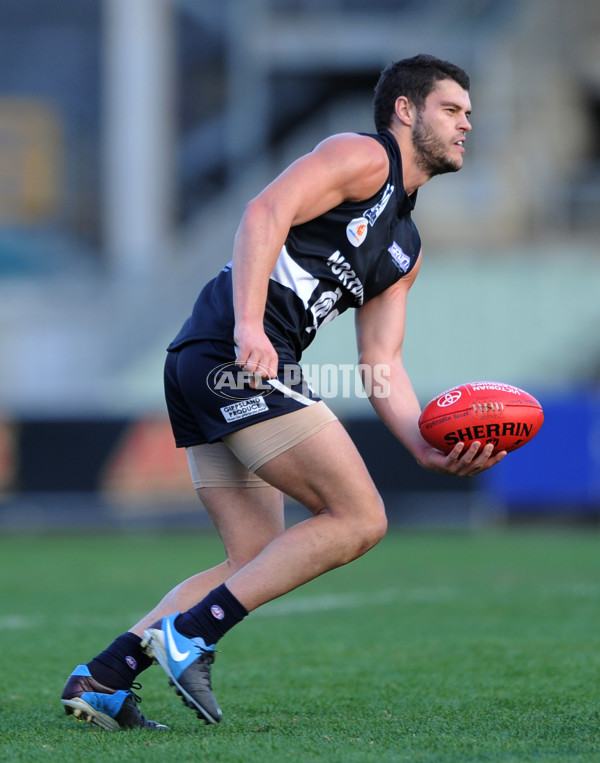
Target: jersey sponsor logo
244	408
401	259
357	230
373	213
346	275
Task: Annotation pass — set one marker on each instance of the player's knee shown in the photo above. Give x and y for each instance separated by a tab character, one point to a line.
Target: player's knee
377	526
381	527
373	527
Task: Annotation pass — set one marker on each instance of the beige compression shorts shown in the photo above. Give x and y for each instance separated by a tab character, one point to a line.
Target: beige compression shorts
233	461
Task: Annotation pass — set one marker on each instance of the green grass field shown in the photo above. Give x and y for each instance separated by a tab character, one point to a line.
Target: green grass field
452	647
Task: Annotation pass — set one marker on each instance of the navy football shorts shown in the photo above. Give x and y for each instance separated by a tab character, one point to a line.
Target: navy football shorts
209	396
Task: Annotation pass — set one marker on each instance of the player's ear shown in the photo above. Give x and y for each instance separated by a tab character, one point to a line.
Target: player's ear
405	110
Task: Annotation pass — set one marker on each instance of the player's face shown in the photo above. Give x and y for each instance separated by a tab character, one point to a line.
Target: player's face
440	129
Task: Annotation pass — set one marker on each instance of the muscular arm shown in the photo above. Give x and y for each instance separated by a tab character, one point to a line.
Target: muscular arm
341	168
380	326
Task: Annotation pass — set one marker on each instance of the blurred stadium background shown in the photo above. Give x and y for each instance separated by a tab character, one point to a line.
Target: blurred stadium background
131	136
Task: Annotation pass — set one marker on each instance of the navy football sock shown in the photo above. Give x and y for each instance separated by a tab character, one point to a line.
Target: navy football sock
120	664
212	617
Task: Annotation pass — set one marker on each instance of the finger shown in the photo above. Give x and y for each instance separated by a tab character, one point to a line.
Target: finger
269	365
455	453
485	454
470	454
262	366
485	460
496	458
251	360
256	380
241	356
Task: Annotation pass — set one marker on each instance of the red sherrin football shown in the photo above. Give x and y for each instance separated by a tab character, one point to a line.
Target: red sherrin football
481	411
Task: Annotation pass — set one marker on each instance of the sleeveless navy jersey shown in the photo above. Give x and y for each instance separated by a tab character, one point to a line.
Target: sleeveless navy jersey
339	260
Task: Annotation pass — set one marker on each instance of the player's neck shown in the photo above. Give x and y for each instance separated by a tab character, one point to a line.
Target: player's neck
413	176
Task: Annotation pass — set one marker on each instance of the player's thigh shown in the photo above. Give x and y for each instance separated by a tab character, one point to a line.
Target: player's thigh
246	519
246	511
325	472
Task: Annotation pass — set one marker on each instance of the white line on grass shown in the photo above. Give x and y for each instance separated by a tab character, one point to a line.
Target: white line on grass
281	607
326	602
18	622
297	605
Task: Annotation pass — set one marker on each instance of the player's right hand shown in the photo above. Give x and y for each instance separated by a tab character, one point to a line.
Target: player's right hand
255	353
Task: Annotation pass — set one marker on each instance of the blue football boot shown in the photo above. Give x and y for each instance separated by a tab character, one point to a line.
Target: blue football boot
111	709
187	663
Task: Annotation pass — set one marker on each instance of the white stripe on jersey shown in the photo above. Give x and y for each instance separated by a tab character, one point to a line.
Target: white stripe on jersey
288	273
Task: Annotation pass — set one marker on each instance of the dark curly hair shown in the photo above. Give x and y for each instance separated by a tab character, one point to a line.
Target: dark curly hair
414	78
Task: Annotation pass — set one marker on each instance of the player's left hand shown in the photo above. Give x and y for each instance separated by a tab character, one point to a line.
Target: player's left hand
462	464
